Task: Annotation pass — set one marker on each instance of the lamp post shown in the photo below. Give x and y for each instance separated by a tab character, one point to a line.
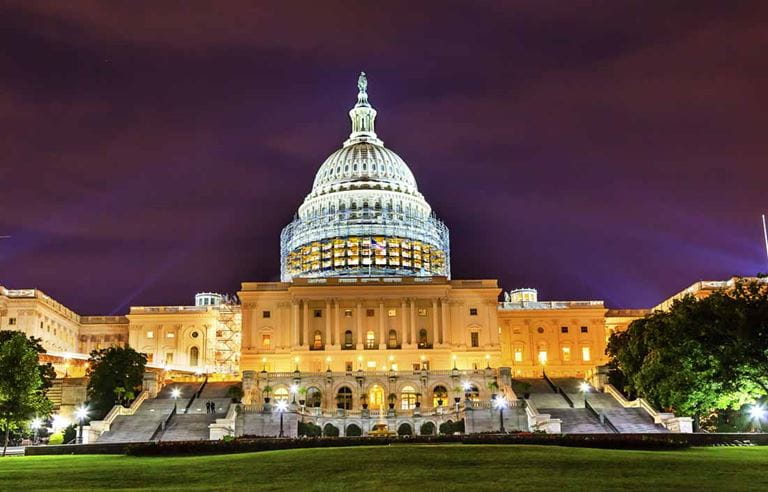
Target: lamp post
36	423
81	414
175	394
282	405
584	388
757	413
501	403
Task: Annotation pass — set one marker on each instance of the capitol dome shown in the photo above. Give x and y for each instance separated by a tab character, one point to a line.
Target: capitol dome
364	215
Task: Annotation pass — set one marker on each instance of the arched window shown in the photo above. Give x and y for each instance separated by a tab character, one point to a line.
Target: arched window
439	396
314	398
318	340
194	356
281	394
348	338
344	398
392	342
423	338
408	398
370	340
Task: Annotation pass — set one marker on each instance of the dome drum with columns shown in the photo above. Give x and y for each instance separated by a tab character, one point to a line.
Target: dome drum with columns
364	215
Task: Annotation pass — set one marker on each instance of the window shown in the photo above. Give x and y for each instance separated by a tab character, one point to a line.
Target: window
348	338
314	398
12	321
369	313
473	311
371	364
194	356
370	340
563	329
266	341
439	396
150	334
542	356
518	354
318	313
195	334
348	366
266	314
392	341
539	330
317	343
472	392
169	358
422	337
584	329
281	394
170	335
475	339
585	355
408	398
422	311
344	398
392	313
347	313
566	354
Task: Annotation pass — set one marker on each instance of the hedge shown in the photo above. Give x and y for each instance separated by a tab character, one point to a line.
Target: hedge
252	444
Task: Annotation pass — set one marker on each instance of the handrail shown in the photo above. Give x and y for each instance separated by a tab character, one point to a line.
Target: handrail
601	416
103	425
196	394
549	382
163	423
565	396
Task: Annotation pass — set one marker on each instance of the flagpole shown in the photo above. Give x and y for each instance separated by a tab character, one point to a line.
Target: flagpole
765	237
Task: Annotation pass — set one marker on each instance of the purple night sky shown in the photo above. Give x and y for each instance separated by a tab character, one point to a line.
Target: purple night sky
594	150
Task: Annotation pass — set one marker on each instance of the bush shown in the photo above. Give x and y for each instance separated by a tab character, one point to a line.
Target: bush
405	430
452	427
354	431
330	430
235	392
309	429
56	438
427	429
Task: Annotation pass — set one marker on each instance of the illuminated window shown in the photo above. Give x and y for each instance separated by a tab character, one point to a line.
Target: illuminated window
169	358
422	312
281	394
150	334
150	357
518	355
473	311
318	340
266	314
370	340
542	356
371	364
347	313
170	335
266	341
194	356
408	398
392	313
392	341
475	339
439	396
584	329
563	329
566	353
348	338
585	355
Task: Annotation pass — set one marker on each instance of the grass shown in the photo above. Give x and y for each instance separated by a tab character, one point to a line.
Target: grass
402	467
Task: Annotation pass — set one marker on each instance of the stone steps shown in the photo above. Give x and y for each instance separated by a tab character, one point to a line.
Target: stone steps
577	420
188	428
633	420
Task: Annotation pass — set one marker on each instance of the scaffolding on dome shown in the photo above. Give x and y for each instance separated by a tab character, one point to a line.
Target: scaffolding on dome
228	336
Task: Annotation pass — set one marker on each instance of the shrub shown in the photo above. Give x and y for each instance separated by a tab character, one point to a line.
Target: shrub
330	430
405	430
354	431
70	433
56	438
427	429
452	427
235	392
309	429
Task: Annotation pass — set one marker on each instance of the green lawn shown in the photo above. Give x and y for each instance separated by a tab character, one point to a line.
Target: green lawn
401	467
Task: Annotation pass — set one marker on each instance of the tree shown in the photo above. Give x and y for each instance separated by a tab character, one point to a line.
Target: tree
23	382
702	355
114	377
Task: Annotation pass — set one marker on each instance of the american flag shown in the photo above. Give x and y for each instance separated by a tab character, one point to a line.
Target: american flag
376	245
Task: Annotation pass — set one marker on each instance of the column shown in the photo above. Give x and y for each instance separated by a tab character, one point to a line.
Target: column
336	323
359	330
295	323
444	322
327	338
305	324
493	322
434	322
403	323
414	340
382	335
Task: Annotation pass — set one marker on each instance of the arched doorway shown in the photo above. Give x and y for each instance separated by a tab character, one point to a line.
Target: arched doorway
439	396
314	398
344	398
408	398
376	397
194	356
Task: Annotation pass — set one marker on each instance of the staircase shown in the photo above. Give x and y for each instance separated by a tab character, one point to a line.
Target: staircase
54	394
142	425
577	420
193	425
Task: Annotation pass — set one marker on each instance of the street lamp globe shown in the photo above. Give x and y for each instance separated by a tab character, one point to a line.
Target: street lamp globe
757	412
